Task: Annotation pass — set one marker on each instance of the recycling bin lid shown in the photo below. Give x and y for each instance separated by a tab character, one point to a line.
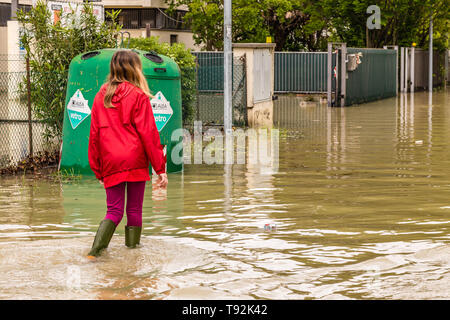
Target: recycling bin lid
154	65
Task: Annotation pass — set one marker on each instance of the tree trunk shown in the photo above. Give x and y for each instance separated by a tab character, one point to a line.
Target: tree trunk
280	39
367	38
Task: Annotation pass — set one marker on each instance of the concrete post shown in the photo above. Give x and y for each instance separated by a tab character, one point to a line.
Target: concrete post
341	76
260	78
14	6
148	31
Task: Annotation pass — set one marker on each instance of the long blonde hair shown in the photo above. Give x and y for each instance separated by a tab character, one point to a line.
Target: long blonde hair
125	66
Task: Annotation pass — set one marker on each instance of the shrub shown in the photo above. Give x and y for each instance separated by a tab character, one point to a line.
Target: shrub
50	49
186	62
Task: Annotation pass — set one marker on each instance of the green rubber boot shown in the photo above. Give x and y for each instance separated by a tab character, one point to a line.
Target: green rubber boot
132	236
102	238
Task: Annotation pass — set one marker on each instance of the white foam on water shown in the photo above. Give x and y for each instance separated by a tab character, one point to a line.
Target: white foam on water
58	268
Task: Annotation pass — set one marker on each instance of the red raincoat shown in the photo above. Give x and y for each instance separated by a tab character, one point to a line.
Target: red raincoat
124	139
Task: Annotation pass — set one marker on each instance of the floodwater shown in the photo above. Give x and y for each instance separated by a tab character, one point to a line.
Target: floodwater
360	201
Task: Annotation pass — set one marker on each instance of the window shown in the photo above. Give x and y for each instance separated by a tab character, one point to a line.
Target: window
5	12
157	18
160	20
149	16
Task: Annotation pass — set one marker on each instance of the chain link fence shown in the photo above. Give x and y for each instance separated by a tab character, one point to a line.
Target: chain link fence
210	83
18	124
22	134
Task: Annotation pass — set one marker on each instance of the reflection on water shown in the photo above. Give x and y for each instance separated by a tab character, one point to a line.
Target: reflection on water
360	204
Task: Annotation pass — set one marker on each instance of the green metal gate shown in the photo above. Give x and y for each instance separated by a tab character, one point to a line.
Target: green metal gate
374	78
302	72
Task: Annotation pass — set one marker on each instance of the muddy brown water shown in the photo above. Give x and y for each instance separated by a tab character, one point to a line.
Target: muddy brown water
361	204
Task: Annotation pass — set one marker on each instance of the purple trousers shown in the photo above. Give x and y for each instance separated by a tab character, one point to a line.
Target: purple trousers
115	201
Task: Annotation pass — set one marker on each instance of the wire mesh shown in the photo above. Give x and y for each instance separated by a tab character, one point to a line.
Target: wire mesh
210	83
14	115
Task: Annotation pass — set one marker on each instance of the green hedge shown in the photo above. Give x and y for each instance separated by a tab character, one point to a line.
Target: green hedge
51	47
186	62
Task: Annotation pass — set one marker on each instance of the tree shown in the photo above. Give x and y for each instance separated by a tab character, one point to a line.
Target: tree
254	20
186	62
206	21
402	22
51	47
310	24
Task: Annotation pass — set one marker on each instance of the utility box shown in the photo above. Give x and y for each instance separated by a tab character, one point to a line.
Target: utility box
87	73
260	73
353	60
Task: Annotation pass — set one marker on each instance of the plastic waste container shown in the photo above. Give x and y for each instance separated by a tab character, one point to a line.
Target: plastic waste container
87	73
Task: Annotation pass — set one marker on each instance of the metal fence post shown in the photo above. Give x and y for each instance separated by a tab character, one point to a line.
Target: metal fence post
396	69
406	69
430	56
446	78
343	73
228	81
30	124
402	69
196	89
337	77
329	72
412	68
244	96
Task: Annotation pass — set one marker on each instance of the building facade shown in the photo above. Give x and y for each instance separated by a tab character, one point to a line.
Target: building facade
137	15
141	18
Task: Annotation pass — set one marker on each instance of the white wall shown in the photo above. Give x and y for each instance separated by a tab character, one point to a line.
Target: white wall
164	36
25	2
3	41
138	3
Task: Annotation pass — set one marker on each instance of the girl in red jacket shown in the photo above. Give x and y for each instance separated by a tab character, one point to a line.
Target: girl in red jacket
122	141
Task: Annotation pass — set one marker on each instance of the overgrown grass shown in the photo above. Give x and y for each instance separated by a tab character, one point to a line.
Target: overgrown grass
65	175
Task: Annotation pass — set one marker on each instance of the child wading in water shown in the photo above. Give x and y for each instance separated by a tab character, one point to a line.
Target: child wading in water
123	140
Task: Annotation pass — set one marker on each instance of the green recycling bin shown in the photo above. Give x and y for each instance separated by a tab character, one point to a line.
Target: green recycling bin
87	73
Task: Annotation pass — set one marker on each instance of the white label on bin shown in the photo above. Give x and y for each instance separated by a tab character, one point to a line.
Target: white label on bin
78	109
162	111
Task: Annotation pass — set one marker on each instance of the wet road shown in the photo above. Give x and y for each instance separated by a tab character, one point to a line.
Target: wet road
360	202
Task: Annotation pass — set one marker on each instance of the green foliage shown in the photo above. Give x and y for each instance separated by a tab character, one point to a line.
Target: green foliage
402	22
205	19
65	176
51	47
186	62
293	24
310	24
